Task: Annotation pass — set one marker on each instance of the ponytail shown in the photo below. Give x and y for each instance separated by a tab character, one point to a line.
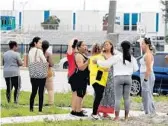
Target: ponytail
148	42
126	51
32	44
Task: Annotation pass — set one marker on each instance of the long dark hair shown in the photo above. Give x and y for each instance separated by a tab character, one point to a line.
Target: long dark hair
148	42
12	44
126	51
112	47
45	46
79	43
96	49
35	40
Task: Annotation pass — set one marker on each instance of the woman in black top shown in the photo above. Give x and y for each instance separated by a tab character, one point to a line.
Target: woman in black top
82	74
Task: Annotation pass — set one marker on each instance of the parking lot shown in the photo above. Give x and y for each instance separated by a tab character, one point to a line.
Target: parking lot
60	82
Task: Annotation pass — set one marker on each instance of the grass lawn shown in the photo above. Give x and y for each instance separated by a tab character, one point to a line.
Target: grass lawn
56	58
69	123
12	110
61	100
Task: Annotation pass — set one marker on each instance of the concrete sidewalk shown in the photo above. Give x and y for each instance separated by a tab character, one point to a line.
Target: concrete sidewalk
62	117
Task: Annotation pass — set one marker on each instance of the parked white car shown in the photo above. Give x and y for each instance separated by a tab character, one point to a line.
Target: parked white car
63	64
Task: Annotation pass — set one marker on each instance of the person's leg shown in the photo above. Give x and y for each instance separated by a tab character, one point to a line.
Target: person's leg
41	83
80	94
84	93
98	96
78	101
126	94
74	96
151	85
145	94
118	90
17	84
34	84
50	89
8	89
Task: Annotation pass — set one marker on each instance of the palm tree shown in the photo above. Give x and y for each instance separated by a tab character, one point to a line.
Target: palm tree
51	23
165	15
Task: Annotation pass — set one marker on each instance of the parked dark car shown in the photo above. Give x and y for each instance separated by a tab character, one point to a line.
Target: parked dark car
161	74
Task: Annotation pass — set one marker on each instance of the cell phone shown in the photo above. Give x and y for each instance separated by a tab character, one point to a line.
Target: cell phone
99	75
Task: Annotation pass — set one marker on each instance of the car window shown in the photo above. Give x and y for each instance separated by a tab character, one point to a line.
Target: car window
159	60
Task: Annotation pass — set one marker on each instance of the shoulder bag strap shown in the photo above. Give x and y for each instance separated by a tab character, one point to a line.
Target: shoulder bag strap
35	57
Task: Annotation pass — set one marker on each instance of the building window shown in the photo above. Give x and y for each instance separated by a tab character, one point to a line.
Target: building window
126	27
134	27
3	21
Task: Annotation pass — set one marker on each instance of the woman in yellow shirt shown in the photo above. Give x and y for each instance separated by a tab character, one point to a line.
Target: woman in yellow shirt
98	78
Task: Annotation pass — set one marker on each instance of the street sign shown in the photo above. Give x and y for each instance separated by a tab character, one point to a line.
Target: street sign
141	30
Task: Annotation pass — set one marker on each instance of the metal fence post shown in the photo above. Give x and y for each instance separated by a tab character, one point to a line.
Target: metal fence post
61	52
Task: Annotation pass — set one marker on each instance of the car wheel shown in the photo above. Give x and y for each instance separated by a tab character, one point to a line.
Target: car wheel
165	93
136	86
65	65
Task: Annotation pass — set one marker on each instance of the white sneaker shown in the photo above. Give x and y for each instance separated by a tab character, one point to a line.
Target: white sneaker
95	117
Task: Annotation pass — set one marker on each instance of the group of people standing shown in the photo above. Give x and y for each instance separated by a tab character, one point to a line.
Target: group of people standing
109	72
37	53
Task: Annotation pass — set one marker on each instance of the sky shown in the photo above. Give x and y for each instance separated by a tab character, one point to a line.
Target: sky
102	5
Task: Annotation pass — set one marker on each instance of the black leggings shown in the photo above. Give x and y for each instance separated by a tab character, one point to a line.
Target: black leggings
10	83
99	90
37	84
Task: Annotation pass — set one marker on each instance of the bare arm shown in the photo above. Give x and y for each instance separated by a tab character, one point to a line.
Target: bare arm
79	62
135	65
41	54
69	51
50	61
3	61
148	59
109	62
19	60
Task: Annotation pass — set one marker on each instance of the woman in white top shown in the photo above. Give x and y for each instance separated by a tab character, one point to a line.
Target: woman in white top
124	65
37	83
147	77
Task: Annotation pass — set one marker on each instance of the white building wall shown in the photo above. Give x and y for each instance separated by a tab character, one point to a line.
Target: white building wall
161	25
89	21
120	19
16	13
32	19
85	20
149	21
6	13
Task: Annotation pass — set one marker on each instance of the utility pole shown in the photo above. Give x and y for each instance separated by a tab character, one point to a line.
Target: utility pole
166	20
84	5
23	4
13	5
112	16
111	35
